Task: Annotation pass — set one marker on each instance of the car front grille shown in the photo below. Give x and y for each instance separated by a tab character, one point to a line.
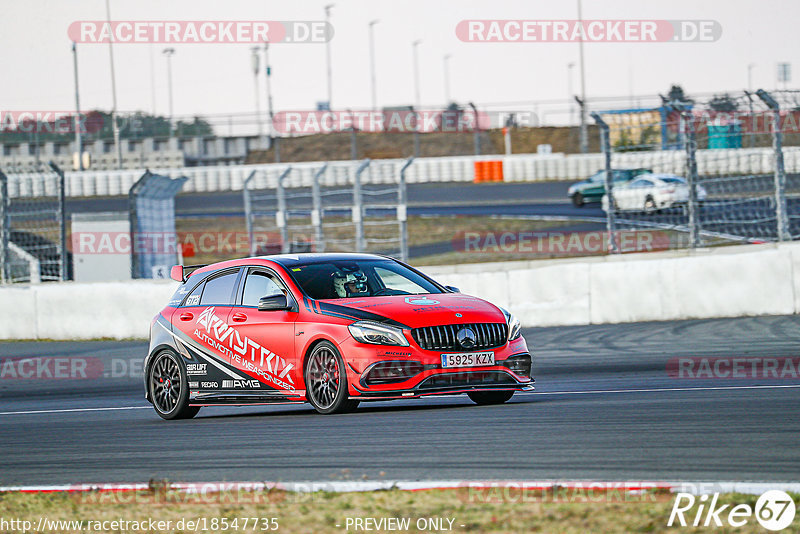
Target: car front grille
444	337
480	378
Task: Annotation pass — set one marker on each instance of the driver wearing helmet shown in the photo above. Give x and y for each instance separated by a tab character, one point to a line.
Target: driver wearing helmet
351	284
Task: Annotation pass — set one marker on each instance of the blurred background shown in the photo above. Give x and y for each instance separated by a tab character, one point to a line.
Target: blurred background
86	118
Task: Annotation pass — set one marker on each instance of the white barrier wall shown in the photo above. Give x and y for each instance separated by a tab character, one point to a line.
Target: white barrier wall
516	168
70	310
723	282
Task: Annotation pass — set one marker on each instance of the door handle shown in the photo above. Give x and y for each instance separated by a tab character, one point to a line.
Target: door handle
186	316
239	317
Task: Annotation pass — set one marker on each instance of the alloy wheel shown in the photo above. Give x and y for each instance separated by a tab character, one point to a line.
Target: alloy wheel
324	377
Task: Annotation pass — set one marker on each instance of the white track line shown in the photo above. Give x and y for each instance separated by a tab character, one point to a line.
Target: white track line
538	393
77	410
210	488
706	388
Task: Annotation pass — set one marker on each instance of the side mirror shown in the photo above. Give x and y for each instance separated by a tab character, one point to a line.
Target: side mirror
452	289
274	302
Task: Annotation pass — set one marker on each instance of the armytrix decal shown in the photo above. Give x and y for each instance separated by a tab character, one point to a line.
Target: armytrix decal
243	350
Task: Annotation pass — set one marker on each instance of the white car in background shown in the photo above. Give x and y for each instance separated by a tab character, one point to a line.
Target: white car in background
652	192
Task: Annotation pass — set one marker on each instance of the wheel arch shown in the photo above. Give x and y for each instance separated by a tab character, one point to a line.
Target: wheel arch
148	363
310	348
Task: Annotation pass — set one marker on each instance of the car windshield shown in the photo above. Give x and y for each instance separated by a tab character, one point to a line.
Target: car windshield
672	179
358	279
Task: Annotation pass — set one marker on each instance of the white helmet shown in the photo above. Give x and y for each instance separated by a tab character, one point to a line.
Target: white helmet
352	284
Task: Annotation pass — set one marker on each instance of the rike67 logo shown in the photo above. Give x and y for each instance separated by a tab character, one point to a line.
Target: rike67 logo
774	510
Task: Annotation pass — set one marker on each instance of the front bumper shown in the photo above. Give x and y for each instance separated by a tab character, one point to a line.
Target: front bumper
428	376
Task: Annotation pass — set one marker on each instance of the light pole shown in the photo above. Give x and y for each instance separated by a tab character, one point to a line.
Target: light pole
272	138
750	68
584	127
372	63
417	110
255	63
168	52
447	79
353	142
78	144
477	133
414	46
570	91
115	126
328	55
152	80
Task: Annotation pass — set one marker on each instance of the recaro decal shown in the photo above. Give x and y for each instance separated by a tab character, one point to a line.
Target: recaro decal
243	350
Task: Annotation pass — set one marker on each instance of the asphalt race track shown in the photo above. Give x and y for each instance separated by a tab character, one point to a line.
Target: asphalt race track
605	408
545	198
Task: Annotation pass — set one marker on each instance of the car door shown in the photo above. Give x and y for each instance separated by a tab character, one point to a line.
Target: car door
626	195
202	319
595	188
270	357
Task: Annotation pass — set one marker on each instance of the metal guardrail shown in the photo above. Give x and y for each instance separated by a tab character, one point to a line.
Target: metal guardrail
33	238
332	217
732	203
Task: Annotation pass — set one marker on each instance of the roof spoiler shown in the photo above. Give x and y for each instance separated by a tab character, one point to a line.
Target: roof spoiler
180	273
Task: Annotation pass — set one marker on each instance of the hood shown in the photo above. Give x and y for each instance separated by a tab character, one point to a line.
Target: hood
421	310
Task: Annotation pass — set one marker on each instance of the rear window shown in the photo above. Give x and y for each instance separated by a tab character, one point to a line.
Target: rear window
194	298
219	291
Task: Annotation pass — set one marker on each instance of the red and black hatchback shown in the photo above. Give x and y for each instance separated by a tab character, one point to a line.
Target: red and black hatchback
329	329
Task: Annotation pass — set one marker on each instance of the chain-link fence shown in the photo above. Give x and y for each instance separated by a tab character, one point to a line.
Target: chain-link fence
32	225
707	172
152	223
339	210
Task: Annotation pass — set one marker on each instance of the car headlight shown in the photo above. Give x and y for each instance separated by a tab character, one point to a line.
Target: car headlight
514	327
571	190
377	334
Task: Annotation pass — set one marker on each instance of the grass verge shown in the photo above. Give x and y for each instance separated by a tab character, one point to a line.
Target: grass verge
459	510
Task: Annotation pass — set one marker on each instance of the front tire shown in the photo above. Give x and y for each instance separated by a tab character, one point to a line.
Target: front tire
326	380
577	200
484	398
650	205
169	387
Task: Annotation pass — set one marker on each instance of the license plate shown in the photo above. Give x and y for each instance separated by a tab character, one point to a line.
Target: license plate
468	359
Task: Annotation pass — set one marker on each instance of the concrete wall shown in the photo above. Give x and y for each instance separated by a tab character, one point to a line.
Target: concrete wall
723	282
